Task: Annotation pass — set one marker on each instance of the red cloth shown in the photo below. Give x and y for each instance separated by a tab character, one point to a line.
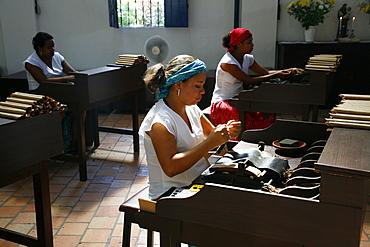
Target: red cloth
237	35
222	112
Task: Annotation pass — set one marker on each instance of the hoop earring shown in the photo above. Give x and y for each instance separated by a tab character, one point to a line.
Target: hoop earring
178	92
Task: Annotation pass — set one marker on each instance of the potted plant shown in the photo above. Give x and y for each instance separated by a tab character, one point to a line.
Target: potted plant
310	13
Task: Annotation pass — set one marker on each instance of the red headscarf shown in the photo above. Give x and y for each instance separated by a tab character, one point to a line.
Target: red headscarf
238	35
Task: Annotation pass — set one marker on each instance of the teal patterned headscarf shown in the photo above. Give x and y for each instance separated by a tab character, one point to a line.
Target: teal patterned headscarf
184	73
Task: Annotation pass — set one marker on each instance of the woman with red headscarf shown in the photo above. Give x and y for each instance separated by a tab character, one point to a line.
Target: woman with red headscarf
232	73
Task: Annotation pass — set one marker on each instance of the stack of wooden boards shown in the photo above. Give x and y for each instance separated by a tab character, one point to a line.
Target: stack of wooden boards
128	59
324	62
353	112
25	105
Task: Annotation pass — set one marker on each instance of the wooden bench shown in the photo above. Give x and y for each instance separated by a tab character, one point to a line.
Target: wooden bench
131	208
168	228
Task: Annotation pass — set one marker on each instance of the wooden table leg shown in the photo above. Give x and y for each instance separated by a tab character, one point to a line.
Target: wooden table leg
43	207
135	122
81	143
165	240
126	239
149	238
95	123
315	113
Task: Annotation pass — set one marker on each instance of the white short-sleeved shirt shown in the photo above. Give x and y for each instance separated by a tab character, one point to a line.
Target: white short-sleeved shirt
226	85
35	60
185	139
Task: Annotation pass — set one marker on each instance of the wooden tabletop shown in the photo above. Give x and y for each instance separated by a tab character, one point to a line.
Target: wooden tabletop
347	153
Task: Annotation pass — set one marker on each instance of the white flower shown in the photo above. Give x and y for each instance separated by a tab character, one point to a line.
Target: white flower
321	6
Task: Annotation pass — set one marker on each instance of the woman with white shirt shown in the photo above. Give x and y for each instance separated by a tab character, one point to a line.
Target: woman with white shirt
177	136
45	64
232	75
48	65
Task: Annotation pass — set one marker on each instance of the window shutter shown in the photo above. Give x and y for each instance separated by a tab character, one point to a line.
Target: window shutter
176	13
113	17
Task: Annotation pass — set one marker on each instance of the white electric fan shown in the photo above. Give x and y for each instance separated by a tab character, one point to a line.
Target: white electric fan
156	49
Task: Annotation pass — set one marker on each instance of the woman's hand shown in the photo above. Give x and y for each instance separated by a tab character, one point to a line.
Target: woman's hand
234	128
70	78
284	73
296	71
219	135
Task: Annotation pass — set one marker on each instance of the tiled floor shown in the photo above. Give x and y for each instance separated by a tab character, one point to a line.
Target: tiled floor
85	214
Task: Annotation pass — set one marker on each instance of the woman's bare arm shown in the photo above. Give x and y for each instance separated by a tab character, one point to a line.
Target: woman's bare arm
174	162
263	74
39	76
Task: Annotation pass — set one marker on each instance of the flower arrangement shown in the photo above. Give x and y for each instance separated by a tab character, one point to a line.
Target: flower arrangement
364	6
310	12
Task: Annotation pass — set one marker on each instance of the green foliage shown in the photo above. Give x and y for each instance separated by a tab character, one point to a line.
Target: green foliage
364	6
133	13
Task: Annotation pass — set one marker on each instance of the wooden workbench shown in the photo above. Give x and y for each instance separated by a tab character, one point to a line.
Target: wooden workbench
25	146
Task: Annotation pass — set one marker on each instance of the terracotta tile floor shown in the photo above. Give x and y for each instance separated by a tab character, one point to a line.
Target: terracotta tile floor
85	214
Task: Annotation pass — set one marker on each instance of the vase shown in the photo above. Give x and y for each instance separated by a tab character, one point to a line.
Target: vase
309	34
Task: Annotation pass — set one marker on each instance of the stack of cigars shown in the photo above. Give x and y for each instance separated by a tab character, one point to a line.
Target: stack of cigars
25	105
324	62
128	59
352	112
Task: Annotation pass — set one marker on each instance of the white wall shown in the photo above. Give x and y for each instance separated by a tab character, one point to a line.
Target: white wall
82	33
17	29
2	53
88	41
263	27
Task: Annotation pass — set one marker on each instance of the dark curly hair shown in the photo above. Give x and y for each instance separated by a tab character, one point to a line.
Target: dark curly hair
226	41
40	39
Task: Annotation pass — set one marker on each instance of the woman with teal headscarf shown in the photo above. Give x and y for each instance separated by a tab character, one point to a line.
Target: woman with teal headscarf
177	136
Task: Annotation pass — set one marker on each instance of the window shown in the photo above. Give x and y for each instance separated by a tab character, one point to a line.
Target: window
140	13
148	13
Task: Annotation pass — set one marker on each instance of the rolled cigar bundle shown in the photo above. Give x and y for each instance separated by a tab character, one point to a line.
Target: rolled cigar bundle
352	112
324	62
130	59
23	105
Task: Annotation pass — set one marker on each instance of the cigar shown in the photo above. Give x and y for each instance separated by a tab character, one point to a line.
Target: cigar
12	110
27	96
